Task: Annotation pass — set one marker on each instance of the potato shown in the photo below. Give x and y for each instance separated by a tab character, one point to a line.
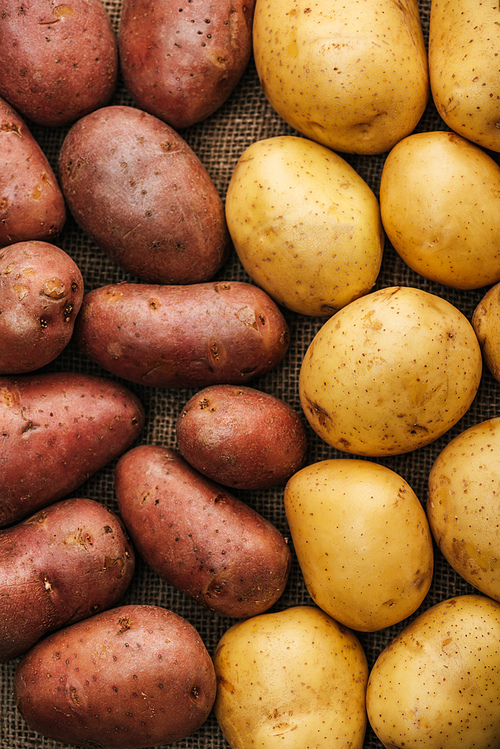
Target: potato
462	505
41	292
181	61
352	77
305	225
241	437
464	37
437	683
182	336
140	192
197	536
134	676
390	372
439	206
362	541
57	430
63	564
485	321
57	62
293	678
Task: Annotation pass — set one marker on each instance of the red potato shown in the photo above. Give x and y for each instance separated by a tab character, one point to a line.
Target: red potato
41	292
57	429
31	202
181	60
132	677
197	536
57	62
182	336
141	193
241	437
63	564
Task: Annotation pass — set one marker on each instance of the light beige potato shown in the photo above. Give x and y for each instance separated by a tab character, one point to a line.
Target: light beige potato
486	323
390	372
464	38
362	541
352	76
305	224
463	505
437	684
439	204
294	678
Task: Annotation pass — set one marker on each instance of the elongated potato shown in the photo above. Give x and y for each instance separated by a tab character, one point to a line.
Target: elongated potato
197	536
63	564
135	676
182	336
57	429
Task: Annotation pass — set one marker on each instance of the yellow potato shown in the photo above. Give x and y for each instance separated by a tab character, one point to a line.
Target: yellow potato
486	323
437	684
352	76
291	680
463	505
439	198
464	39
390	372
362	541
305	225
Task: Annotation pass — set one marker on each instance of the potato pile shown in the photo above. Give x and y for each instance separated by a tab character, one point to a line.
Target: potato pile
249	372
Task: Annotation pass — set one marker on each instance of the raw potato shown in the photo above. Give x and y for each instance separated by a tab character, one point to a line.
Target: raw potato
31	202
463	505
140	192
135	676
63	564
295	678
390	373
181	61
437	683
439	204
352	76
182	336
241	437
57	430
486	323
362	541
41	292
464	37
305	225
197	536
57	62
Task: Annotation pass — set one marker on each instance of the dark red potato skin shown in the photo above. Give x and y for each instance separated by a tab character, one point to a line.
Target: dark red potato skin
31	202
141	193
197	536
241	437
57	62
182	60
182	336
132	677
65	563
56	430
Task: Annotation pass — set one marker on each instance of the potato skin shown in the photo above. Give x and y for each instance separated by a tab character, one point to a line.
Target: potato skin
57	430
142	194
241	437
181	61
41	292
182	336
131	677
59	62
197	536
63	564
32	205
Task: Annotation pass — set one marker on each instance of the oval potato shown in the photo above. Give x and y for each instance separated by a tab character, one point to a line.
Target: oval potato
486	323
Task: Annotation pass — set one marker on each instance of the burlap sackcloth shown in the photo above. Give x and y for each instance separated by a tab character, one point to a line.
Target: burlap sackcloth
219	141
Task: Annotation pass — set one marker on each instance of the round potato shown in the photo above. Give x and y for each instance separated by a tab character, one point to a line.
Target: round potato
241	437
304	224
439	205
390	372
486	323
